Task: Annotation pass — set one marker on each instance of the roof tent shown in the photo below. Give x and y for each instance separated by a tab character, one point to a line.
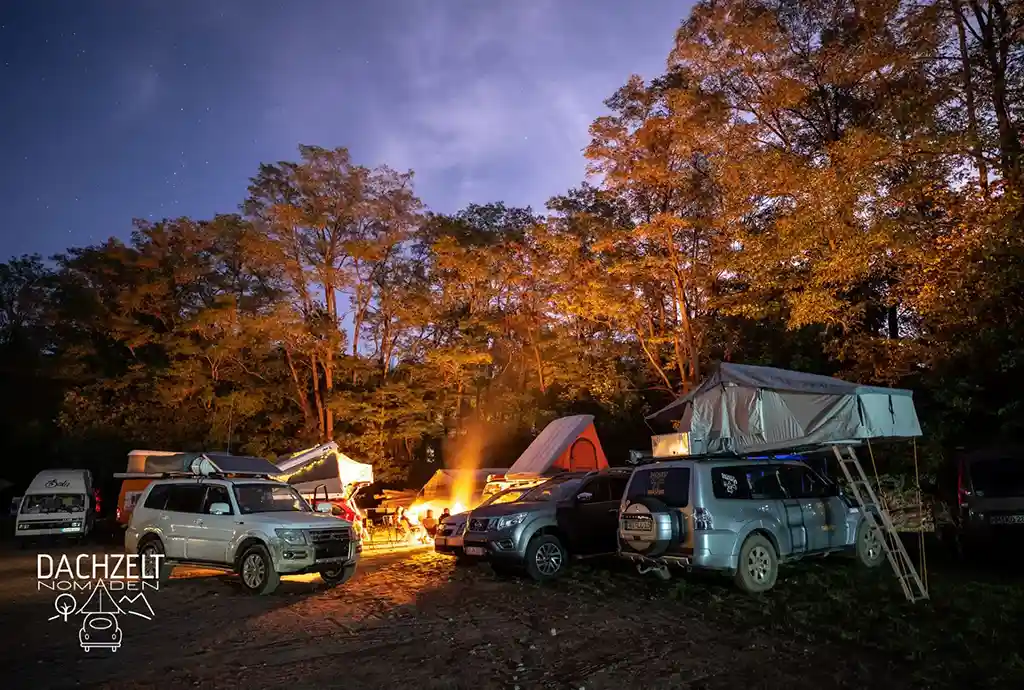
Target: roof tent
741	409
162	462
567	444
323	466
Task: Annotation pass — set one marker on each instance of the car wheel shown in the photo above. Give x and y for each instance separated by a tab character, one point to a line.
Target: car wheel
546	558
338	576
148	548
257	570
758	565
870	549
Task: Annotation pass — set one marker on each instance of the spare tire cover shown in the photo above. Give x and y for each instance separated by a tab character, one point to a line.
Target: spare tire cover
649	527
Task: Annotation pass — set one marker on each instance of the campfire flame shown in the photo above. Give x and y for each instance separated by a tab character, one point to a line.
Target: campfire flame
468	453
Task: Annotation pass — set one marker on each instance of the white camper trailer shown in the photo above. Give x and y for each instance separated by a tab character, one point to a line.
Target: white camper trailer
57	502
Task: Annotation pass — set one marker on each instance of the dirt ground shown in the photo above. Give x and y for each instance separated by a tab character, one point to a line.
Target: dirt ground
416	620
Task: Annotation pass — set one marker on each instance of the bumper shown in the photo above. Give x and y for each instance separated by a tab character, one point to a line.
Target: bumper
712	550
496	546
452	544
298	559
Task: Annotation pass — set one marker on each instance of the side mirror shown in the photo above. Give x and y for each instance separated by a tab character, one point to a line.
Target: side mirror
584	497
324	507
220	509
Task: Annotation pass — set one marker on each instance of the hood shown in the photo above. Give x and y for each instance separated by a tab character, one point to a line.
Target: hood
296	519
513	508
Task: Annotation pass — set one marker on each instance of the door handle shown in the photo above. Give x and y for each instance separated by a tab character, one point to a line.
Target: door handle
199	522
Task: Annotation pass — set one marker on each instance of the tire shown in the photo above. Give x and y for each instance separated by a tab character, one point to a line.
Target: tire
870	550
647	506
257	572
758	566
152	546
546	558
334	578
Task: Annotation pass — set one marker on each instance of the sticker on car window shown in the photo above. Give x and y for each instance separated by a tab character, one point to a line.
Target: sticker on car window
731	484
656	483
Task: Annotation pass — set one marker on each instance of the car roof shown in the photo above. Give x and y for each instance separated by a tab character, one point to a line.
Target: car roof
719	462
226	480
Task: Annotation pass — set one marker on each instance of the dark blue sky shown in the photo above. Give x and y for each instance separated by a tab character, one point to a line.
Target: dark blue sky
114	109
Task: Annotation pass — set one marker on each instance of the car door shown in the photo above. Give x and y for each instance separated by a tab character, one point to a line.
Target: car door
211	535
593	514
810	494
178	517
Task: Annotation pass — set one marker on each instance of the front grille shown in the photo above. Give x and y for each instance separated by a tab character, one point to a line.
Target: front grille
478	524
26	525
330	543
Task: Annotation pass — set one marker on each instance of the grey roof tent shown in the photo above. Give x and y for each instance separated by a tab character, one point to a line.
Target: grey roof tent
741	409
552	441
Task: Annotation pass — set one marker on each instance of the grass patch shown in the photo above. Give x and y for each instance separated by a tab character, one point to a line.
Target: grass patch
968	633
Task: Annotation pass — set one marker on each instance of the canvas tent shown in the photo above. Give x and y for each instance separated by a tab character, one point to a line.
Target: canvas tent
567	444
324	466
742	409
441	484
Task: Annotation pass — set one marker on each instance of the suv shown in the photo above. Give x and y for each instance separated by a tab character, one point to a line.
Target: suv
571	514
739	517
259	528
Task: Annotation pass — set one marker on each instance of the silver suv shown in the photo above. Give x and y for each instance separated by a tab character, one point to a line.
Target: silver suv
739	517
259	528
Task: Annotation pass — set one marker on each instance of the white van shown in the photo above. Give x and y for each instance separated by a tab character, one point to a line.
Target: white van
57	502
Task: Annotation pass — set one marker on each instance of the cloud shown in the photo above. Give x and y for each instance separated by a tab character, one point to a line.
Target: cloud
494	106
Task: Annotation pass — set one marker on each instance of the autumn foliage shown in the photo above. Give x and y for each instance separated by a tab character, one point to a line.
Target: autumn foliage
831	186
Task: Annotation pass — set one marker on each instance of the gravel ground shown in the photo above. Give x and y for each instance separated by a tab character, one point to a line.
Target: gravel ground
415	620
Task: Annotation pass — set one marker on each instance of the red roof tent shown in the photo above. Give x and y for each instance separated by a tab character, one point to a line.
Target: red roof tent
568	444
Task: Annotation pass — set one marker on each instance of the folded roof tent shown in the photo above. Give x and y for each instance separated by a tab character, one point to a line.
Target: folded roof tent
568	444
741	409
324	466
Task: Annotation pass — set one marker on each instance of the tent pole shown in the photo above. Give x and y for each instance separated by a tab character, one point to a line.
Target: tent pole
922	559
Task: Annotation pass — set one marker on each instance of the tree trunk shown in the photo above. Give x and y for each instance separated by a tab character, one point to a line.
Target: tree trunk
972	111
301	394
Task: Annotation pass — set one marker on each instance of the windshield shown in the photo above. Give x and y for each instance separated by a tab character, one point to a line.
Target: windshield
507	496
269	498
998	478
42	504
552	490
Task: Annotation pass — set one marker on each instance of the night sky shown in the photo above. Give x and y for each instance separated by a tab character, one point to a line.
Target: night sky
111	110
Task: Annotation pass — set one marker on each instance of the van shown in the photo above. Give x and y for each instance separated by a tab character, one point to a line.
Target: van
131	489
57	502
984	490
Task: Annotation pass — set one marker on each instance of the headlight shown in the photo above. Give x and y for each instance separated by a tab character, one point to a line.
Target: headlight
293	537
507	521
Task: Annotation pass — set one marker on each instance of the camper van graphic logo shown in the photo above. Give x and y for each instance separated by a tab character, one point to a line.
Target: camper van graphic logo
98	593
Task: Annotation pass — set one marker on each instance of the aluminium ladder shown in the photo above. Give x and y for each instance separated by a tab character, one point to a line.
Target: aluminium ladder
875	512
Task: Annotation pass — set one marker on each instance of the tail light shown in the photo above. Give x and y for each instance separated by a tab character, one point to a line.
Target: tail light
119	514
703	520
962	492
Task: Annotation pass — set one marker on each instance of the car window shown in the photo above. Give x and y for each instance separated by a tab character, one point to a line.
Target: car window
617	487
269	498
157	498
671	486
215	493
800	481
552	490
597	487
505	497
998	477
185	498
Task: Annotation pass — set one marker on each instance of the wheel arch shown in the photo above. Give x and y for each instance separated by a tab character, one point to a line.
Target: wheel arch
244	546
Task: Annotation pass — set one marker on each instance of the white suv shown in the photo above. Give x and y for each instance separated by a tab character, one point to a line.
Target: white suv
259	528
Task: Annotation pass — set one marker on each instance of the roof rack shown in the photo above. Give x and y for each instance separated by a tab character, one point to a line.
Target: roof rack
192	475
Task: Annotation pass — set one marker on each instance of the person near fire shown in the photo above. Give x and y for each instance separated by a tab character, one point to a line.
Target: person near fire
445	514
430	524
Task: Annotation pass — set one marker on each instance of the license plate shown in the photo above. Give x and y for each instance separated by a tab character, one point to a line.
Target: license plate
1007	519
71	529
475	551
637	525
